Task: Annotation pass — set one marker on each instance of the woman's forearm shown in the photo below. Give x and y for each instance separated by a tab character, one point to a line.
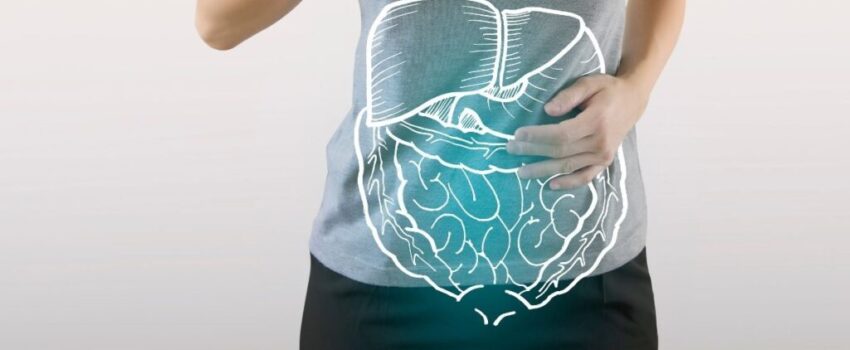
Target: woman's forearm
224	24
652	29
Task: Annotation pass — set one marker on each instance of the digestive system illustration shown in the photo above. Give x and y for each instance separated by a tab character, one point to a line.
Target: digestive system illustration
448	83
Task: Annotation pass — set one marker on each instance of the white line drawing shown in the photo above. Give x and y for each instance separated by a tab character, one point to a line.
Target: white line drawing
440	195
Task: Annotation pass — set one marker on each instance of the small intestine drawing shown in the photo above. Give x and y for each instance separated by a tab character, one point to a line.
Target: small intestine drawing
448	83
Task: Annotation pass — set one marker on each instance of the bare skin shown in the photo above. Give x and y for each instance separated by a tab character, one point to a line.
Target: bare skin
224	24
582	147
578	149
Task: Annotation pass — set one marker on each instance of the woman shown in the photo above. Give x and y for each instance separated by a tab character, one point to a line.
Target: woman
484	190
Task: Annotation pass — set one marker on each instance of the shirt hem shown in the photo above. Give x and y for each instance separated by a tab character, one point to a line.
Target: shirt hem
355	268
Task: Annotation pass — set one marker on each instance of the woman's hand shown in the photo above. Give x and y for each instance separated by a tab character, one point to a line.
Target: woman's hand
224	24
582	147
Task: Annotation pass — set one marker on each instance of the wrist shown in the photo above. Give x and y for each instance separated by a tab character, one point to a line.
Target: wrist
640	89
639	84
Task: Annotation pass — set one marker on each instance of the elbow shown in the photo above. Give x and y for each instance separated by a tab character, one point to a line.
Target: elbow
214	35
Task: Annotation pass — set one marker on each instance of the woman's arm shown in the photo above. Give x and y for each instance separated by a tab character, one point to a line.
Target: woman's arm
652	29
223	24
582	147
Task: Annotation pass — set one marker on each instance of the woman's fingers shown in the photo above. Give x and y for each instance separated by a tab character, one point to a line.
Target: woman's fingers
546	134
566	131
576	94
549	167
579	148
576	179
551	150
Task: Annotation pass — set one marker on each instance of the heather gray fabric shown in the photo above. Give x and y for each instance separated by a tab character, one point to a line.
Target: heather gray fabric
419	189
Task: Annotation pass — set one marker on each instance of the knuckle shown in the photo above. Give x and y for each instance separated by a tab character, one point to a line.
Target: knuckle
598	121
601	142
563	134
602	120
582	81
566	167
596	78
516	147
561	151
589	78
608	156
607	110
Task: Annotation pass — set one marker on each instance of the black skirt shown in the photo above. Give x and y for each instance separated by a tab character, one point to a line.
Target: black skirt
614	310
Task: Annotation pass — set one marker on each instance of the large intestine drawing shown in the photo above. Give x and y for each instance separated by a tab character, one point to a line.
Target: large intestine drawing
448	83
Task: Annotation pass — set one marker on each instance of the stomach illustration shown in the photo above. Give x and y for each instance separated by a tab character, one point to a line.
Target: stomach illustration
448	83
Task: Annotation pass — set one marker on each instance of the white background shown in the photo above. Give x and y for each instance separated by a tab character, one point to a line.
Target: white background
158	194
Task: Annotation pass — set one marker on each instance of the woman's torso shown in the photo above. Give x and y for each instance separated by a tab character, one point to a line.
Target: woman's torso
419	190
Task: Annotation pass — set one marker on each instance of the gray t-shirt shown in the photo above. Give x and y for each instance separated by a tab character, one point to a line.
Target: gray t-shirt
420	190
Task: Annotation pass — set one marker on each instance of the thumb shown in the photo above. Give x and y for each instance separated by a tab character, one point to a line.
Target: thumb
573	96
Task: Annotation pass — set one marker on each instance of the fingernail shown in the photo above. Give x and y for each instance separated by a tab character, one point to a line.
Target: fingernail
554	186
